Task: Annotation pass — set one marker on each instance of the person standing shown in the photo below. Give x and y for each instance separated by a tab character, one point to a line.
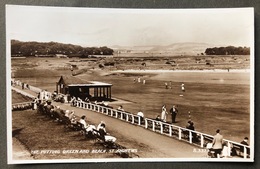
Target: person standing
217	144
166	85
170	84
245	142
182	87
173	112
141	115
164	113
139	80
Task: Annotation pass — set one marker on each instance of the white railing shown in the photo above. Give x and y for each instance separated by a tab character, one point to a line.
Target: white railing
193	137
32	88
35	89
125	116
17	106
23	93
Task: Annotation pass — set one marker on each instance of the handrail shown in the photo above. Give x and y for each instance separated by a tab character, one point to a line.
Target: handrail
23	93
21	106
14	104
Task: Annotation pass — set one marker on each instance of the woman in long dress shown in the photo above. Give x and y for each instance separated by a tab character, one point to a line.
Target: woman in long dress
164	112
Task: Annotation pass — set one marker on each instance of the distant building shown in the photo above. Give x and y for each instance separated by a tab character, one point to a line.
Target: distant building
77	87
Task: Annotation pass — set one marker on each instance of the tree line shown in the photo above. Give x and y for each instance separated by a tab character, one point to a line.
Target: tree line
19	48
230	50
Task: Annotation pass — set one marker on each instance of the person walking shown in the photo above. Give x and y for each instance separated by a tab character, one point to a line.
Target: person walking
217	144
174	112
164	113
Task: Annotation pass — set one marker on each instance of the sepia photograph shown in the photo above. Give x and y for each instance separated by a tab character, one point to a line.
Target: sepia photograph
129	85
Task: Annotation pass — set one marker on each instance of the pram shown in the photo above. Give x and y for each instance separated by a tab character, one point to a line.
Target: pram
211	152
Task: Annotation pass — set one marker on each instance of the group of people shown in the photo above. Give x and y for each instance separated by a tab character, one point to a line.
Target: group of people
138	80
221	149
173	112
19	83
168	85
70	119
58	97
91	130
21	106
44	95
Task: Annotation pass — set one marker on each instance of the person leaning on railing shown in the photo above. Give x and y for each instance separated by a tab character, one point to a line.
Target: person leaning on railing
245	142
141	115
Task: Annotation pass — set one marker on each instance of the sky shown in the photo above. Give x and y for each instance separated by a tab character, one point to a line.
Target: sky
130	27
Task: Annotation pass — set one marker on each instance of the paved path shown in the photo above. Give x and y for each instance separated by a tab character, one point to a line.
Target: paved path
20	152
147	143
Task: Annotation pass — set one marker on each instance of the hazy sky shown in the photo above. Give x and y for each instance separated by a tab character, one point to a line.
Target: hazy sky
130	27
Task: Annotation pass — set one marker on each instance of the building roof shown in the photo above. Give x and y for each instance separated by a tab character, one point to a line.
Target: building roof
75	81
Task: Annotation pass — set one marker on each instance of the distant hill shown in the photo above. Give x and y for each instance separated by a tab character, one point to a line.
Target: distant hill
19	48
188	48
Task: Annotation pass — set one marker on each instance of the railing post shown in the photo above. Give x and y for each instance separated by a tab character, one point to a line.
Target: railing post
106	111
116	114
190	135
146	123
153	126
112	112
245	152
139	120
161	127
201	140
170	130
121	116
133	119
179	133
98	108
127	117
229	149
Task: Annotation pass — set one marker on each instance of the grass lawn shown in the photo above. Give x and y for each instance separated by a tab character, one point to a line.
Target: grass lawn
39	133
19	98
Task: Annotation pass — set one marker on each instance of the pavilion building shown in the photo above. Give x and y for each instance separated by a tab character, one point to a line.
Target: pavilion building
74	86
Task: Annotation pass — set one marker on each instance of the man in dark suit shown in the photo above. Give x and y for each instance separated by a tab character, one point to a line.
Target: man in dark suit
217	144
245	142
173	112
